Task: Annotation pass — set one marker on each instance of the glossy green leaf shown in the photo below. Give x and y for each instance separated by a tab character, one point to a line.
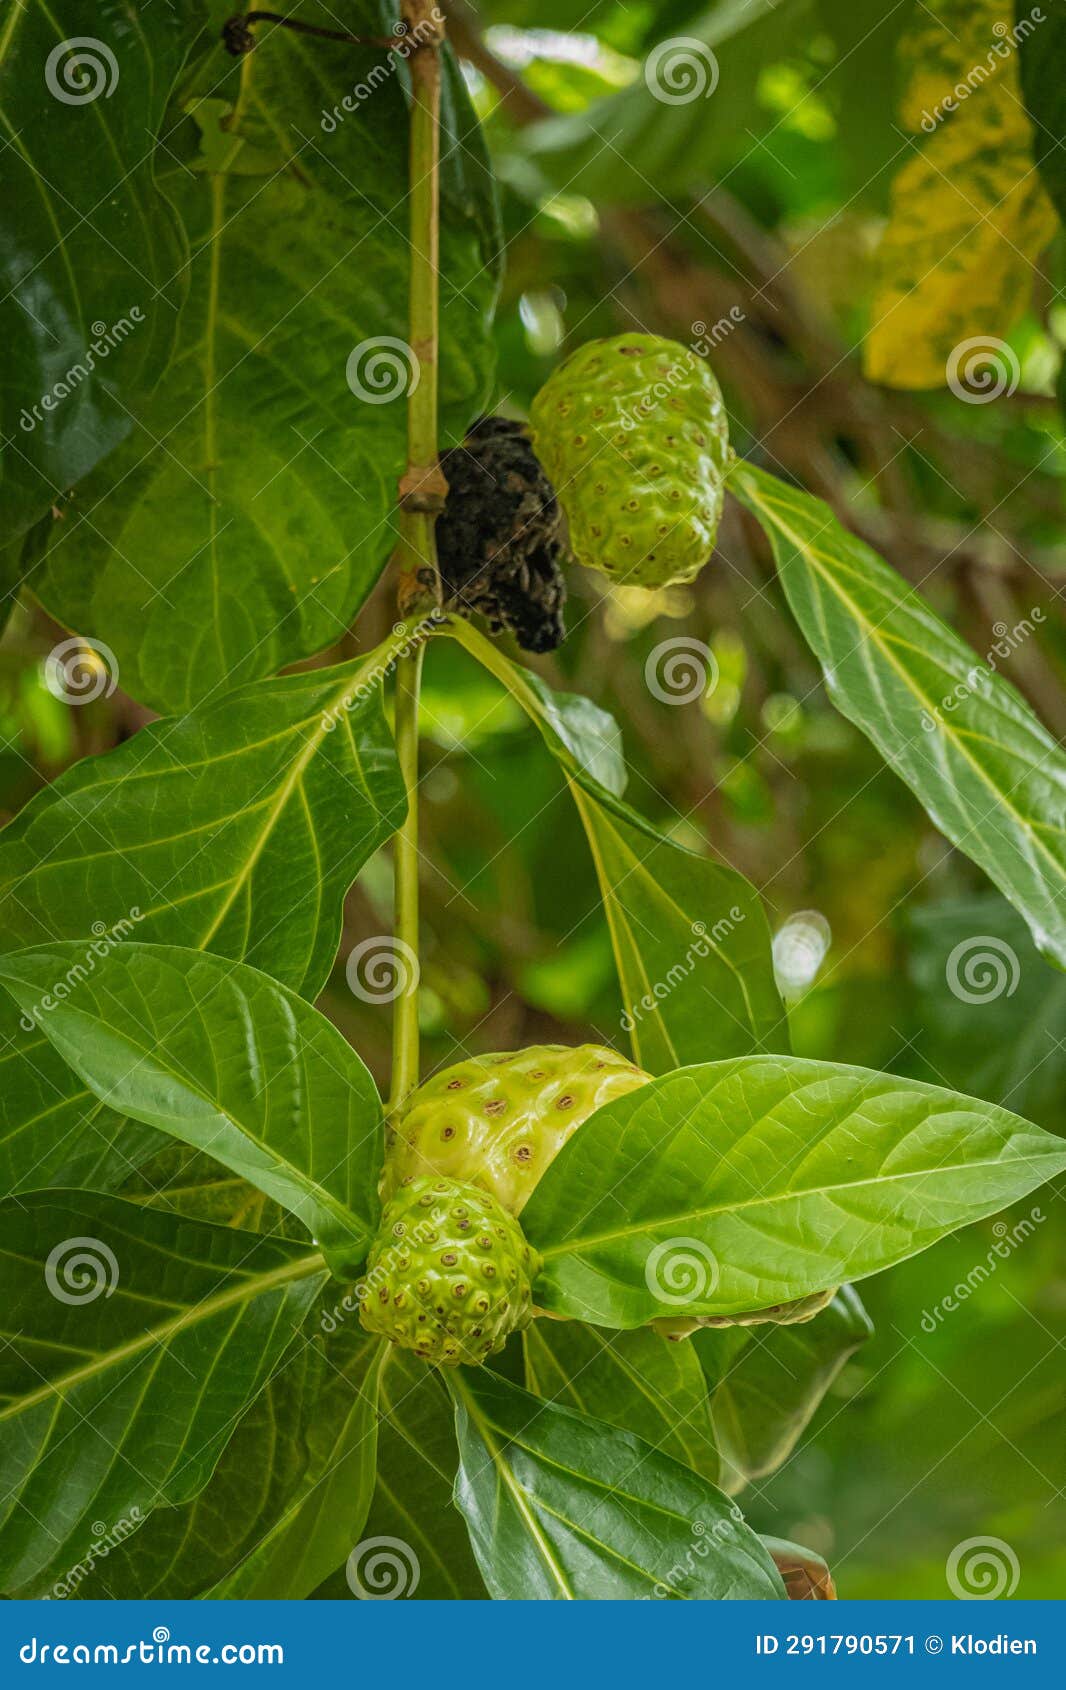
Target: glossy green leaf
321	1520
289	1449
635	1380
53	1131
767	1382
271	803
133	1343
94	257
990	775
691	943
562	1508
248	516
684	115
736	1185
235	829
417	1461
691	940
223	1058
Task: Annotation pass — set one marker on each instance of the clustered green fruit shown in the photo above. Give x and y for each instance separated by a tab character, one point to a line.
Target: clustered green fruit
634	436
449	1275
497	1122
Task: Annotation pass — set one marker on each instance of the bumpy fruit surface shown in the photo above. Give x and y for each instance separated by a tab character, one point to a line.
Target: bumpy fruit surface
498	1121
449	1275
634	436
779	1314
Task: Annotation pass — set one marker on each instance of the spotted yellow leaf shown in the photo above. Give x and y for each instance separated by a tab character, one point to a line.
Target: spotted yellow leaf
969	217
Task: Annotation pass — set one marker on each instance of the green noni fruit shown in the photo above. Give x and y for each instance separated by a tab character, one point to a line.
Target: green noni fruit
449	1275
634	436
498	1121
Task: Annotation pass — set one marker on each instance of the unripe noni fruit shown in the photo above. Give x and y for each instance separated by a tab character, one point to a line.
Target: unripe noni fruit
634	436
498	1121
449	1275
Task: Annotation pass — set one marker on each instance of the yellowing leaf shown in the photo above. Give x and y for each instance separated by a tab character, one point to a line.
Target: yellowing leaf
969	216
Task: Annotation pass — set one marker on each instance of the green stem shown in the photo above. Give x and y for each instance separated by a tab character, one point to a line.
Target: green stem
405	868
423	488
422	493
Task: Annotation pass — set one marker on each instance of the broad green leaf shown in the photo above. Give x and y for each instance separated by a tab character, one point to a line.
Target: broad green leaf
248	516
691	943
319	1523
767	1382
94	257
562	1508
737	1185
417	1460
53	1131
1041	52
969	217
223	1058
238	828
690	109
133	1343
287	1449
635	1380
991	777
690	936
189	1182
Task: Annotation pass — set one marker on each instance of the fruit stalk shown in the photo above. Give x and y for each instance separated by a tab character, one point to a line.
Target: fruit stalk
405	1043
423	488
422	492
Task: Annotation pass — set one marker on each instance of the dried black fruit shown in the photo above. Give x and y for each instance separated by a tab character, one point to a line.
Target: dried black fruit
500	536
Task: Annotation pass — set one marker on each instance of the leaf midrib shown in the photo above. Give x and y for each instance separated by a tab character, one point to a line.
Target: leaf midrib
518	1495
810	552
302	1178
589	1241
167	1331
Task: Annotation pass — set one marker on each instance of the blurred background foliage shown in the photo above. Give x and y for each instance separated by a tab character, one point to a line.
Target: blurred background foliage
770	198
